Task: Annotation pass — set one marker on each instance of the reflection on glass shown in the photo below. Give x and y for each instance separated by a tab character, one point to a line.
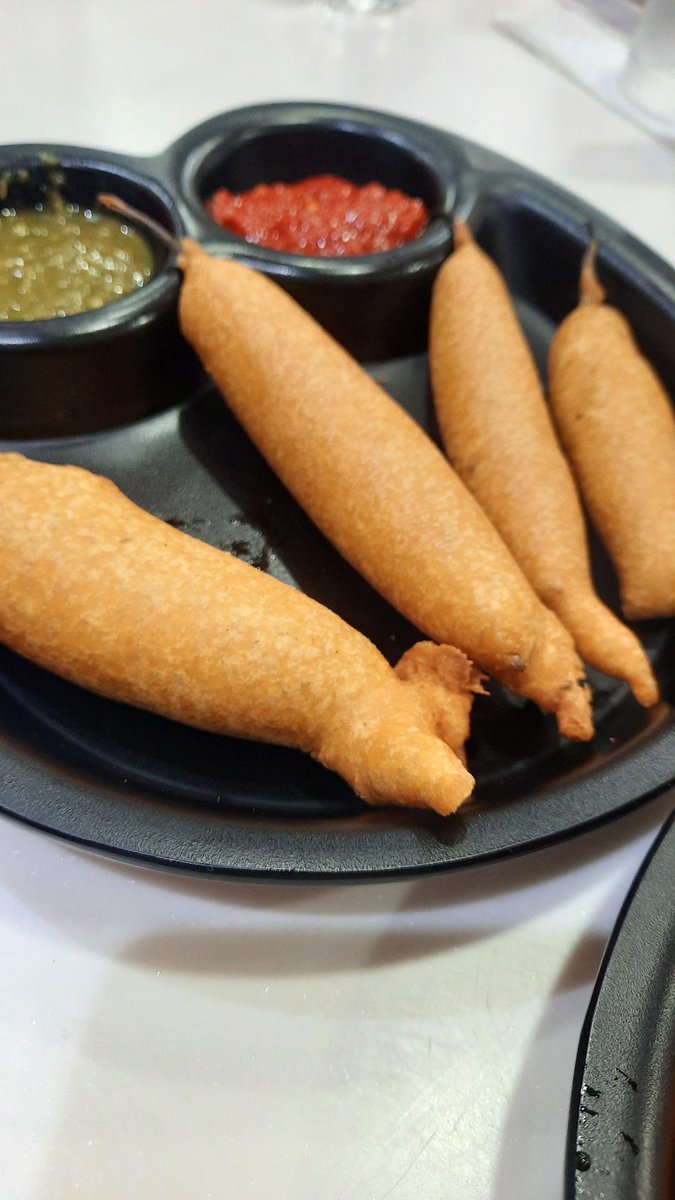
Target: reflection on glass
367	6
649	77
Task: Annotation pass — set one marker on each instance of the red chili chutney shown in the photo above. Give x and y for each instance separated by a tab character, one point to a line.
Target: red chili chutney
324	216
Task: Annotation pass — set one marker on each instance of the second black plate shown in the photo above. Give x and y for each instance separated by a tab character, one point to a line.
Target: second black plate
622	1122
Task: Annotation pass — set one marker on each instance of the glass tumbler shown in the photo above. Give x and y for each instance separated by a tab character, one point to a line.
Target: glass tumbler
648	78
369	6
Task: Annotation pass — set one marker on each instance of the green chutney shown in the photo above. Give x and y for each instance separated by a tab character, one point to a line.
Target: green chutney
61	258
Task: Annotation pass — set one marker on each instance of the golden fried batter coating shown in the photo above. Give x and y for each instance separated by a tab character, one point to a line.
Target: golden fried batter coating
108	596
617	425
499	436
446	682
375	484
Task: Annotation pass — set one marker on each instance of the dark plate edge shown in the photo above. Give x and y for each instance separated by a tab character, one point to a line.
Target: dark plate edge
299	875
576	1177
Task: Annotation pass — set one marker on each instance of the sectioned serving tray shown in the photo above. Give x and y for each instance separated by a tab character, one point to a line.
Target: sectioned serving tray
134	785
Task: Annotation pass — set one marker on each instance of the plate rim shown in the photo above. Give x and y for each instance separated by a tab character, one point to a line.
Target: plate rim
636	1173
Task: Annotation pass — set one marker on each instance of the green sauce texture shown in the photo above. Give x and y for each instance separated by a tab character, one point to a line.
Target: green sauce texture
60	258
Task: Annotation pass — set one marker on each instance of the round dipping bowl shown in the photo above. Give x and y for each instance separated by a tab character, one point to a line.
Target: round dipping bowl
109	366
375	304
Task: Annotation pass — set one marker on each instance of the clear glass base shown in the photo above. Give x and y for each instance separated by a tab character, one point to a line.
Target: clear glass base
648	79
367	6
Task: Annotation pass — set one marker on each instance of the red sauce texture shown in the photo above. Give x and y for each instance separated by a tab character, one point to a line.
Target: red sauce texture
324	216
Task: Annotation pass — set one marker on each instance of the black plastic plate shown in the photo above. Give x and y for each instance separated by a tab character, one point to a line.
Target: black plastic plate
134	785
622	1122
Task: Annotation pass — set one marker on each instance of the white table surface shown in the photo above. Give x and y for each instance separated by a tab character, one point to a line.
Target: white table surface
178	1038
